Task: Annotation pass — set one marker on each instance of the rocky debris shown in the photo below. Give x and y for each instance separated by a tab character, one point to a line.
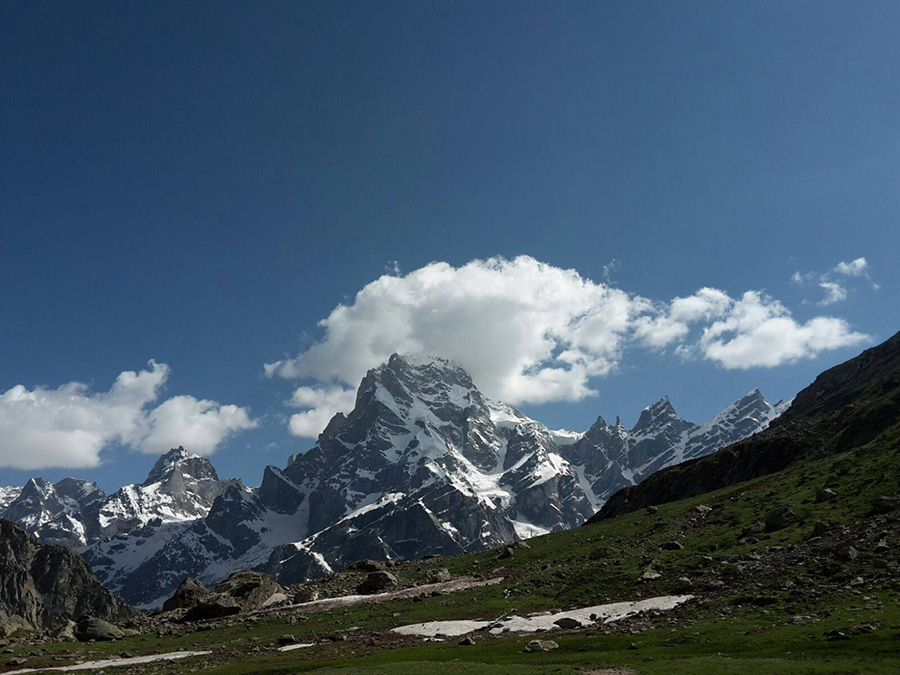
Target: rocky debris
780	518
541	646
91	628
189	594
702	509
378	582
886	504
45	586
467	641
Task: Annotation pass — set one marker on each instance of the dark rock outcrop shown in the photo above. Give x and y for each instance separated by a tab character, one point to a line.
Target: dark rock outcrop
189	594
46	586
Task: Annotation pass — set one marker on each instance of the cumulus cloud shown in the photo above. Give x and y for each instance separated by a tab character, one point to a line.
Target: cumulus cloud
70	425
198	425
854	268
834	292
833	282
760	332
319	404
529	332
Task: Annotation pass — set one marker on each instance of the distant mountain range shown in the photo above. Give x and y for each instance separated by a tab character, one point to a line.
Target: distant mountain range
424	464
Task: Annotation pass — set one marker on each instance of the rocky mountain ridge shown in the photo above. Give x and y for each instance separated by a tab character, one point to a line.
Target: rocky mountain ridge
423	464
844	408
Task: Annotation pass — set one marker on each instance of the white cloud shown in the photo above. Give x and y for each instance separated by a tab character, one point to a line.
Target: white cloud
834	292
70	425
320	404
760	332
527	331
530	332
854	268
198	425
830	282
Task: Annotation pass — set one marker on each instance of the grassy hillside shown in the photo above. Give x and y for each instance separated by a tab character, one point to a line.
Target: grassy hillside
793	599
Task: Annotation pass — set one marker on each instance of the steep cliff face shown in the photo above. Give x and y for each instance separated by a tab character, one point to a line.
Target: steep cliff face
846	407
44	585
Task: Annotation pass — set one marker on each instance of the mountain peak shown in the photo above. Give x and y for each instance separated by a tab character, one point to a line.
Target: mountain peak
189	464
661	410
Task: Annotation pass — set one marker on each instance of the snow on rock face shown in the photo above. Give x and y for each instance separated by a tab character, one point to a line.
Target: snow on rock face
181	487
612	457
423	464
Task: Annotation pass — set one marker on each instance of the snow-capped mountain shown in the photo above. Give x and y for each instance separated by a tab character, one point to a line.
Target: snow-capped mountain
613	457
8	495
181	487
423	464
54	512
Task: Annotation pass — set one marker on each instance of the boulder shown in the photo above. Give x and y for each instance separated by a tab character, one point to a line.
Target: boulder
671	546
826	495
845	551
820	528
13	624
92	628
568	623
376	582
541	646
252	590
189	594
214	607
780	518
650	574
365	566
439	576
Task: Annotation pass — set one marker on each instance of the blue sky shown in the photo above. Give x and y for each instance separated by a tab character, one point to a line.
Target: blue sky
202	183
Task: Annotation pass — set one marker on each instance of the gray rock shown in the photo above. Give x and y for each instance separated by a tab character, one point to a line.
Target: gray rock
252	590
189	594
541	646
45	585
91	628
